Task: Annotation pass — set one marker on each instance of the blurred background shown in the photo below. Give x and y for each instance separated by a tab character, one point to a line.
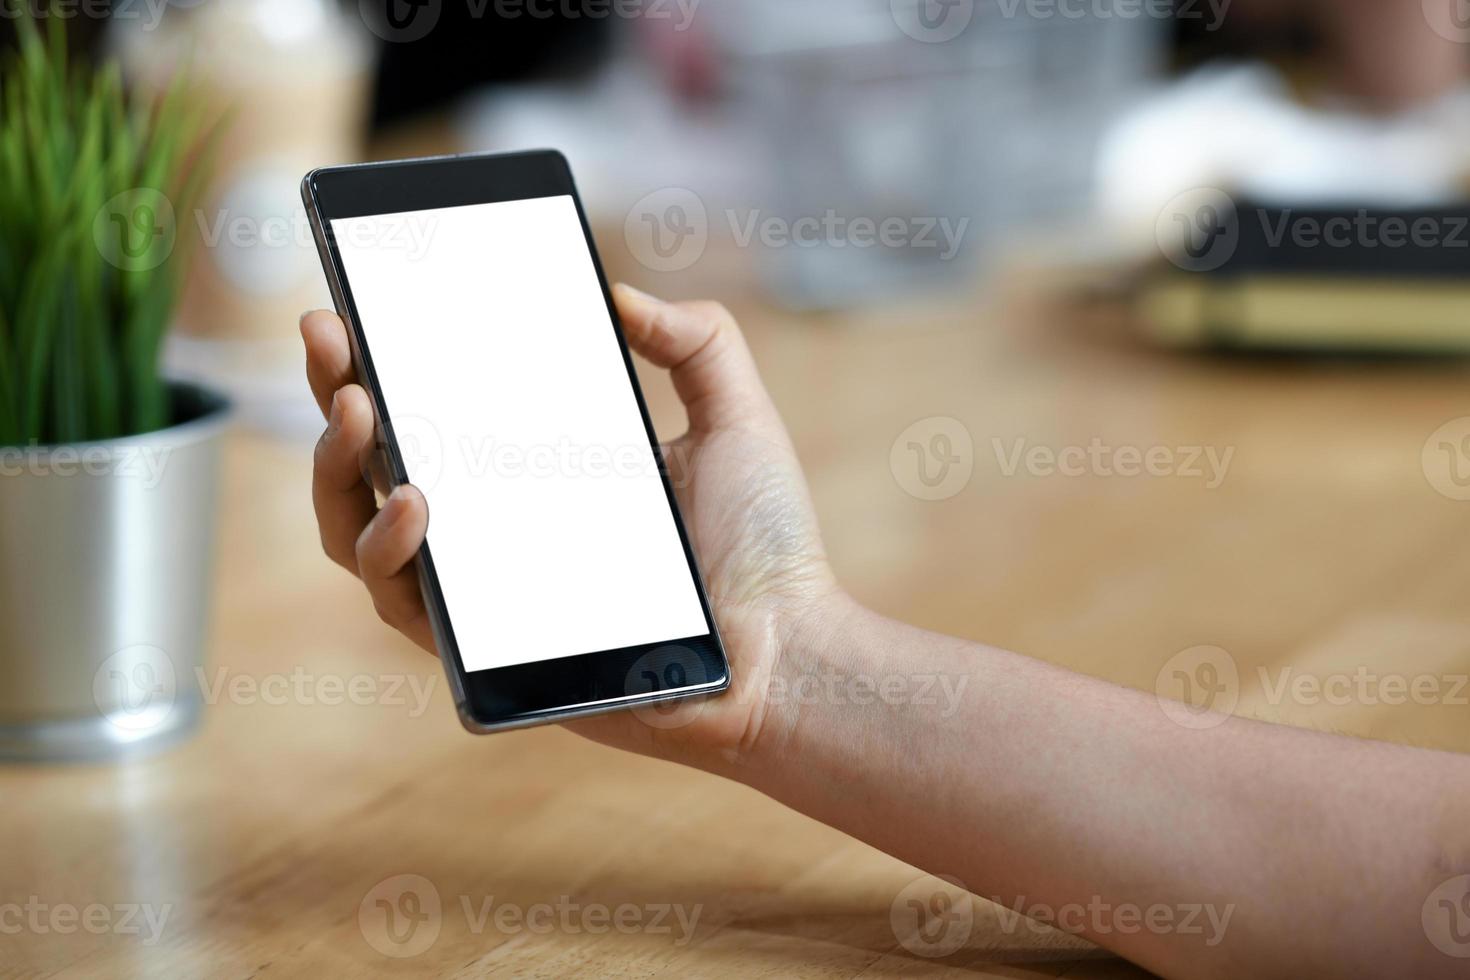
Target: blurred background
825	156
1111	331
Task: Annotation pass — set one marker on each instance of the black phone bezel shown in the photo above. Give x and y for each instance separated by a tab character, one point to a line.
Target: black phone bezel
543	690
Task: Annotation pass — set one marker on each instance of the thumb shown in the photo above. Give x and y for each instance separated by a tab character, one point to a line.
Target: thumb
701	345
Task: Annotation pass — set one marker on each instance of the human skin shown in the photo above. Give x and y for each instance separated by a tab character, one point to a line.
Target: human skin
1036	786
1386	54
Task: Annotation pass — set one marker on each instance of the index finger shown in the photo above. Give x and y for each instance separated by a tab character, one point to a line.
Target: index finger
328	356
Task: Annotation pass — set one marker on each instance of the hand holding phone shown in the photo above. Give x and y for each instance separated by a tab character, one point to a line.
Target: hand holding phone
734	474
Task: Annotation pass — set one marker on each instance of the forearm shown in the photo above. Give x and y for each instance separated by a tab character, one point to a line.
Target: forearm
1290	851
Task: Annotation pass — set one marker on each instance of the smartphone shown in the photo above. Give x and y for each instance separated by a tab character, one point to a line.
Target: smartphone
557	572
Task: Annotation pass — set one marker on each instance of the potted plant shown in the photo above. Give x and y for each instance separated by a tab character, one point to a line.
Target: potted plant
108	470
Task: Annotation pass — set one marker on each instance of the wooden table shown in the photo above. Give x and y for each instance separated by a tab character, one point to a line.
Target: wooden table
1325	550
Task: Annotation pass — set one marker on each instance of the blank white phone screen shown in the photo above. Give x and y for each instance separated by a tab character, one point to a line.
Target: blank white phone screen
548	523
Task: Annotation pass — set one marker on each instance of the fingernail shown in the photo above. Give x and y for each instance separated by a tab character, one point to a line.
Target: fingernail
301	320
640	294
394	507
334	418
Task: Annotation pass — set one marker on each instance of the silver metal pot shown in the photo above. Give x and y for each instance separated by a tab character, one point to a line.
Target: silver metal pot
106	550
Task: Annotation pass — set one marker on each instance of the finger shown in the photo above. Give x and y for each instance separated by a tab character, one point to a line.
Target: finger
344	503
702	347
385	552
328	357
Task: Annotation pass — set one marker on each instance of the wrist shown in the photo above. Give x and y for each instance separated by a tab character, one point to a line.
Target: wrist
815	660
